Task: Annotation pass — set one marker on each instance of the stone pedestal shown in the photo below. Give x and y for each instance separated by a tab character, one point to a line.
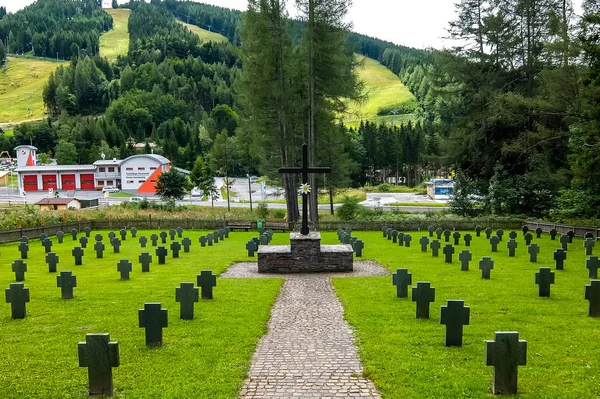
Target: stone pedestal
305	255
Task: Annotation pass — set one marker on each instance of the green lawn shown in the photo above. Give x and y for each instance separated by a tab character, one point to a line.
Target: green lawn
384	89
21	88
406	357
205	35
207	357
116	41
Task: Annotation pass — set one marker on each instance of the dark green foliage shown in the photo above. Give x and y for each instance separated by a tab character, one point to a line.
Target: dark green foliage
464	201
172	185
350	209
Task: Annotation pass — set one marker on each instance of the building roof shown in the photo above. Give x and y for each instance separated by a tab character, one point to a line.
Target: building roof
30	147
184	171
56	168
56	201
108	162
158	158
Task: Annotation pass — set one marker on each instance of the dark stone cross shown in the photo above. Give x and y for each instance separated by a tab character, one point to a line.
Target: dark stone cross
87	231
43	236
23	248
186	243
533	250
571	235
592	264
154	239
512	246
17	295
74	233
424	241
124	267
226	231
358	246
304	170
448	251
216	236
456	237
83	240
202	241
494	240
59	236
512	235
186	294
485	265
454	315
66	282
553	234
589	245
99	354
47	243
592	294
393	236
206	280
19	268
145	259
423	294
400	236
264	239
99	237
447	234
431	229
172	234
543	278
77	253
560	255
435	247
588	235
161	253
24	239
175	248
99	248
528	238
467	237
111	235
209	239
488	232
564	240
179	232
538	232
385	230
478	231
465	257
123	234
524	229
153	318
52	261
438	232
500	234
133	231
407	240
143	241
163	237
251	247
506	352
402	279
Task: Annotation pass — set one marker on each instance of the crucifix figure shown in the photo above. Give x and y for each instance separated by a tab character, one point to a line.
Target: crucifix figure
305	170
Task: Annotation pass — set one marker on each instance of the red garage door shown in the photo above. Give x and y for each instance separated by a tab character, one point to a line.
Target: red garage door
30	183
49	182
87	181
67	182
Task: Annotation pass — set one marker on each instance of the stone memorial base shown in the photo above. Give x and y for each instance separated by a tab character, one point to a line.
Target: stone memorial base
305	255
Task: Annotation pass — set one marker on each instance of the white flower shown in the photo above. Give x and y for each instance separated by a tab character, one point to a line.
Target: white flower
304	188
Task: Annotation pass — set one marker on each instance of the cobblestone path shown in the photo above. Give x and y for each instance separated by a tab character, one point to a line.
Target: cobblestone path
309	349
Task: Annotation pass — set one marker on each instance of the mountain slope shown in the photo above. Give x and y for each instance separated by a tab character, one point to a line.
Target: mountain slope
205	35
116	41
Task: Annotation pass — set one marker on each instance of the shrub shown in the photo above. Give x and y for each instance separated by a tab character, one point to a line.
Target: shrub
350	208
262	210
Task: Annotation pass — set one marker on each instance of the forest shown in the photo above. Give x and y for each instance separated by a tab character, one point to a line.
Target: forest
512	113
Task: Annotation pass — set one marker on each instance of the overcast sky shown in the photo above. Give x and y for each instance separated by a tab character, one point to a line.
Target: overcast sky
415	23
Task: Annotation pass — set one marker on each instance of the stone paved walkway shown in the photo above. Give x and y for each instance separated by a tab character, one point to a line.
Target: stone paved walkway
309	349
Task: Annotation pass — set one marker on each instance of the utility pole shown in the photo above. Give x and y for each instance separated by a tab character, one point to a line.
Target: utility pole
227	174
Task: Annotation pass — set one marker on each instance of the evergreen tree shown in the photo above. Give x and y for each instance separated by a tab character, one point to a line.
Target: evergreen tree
172	186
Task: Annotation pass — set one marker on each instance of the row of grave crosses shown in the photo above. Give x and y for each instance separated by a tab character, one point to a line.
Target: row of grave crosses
345	237
264	239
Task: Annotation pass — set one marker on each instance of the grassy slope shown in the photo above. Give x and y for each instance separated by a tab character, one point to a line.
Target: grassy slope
383	88
205	35
207	357
116	42
406	357
21	87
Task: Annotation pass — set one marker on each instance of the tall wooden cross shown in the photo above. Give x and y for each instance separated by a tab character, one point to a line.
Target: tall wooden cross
304	170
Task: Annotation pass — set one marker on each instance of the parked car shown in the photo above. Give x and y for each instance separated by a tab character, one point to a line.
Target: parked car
253	179
110	189
136	199
196	192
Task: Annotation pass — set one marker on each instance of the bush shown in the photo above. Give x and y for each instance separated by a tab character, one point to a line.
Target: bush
350	209
262	210
279	214
385	188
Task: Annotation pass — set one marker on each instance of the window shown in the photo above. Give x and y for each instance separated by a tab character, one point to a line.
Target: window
141	168
101	170
128	168
130	182
152	167
109	183
142	181
111	170
100	182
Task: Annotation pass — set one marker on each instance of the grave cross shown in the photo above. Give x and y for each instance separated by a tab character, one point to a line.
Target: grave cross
17	295
145	259
571	235
251	247
538	232
87	231
494	243
123	234
588	235
264	239
60	235
209	239
305	170
186	294
153	318
560	255
43	236
564	240
435	247
592	294
393	236
172	234
227	230
465	257
98	237
592	264
99	248
154	239
533	250
179	232
512	246
486	264
19	268
448	251
407	240
500	233
25	239
488	232
506	352
116	243
400	237
163	237
124	267
216	236
543	278
175	247
202	241
423	294
161	253
66	282
74	233
111	235
454	315
589	245
23	248
83	241
206	280
431	229
478	231
424	241
133	231
438	233
467	237
99	354
447	235
385	229
553	234
143	241
358	246
402	279
47	243
524	229
77	253
52	261
528	238
456	237
512	235
186	243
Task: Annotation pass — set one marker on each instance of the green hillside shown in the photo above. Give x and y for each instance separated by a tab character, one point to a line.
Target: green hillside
21	87
116	41
384	89
204	35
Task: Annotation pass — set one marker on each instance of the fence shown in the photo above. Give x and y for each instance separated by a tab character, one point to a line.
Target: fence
563	228
35	232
